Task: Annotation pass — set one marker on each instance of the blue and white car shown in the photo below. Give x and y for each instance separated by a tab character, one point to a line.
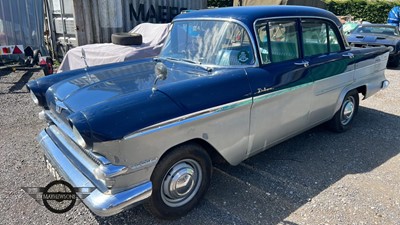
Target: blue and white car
228	84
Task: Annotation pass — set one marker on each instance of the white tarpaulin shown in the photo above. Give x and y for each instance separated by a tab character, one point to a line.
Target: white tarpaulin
98	54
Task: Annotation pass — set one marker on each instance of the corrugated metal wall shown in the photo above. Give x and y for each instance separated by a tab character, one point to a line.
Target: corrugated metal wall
93	21
22	22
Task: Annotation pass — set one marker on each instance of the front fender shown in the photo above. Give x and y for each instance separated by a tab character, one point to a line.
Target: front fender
112	120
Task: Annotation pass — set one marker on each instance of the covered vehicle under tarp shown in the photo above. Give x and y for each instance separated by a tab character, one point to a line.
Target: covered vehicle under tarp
314	3
97	54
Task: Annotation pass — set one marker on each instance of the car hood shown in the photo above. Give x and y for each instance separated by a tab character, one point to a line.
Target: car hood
91	88
379	39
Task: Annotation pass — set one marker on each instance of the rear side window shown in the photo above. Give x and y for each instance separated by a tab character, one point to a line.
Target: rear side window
318	38
277	40
315	38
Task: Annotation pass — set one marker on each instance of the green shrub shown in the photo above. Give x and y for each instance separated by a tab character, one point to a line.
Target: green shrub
374	11
219	3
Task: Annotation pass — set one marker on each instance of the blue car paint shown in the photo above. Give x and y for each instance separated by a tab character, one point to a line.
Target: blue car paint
119	101
41	85
141	109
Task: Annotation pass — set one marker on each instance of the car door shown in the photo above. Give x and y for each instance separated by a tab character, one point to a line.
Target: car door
330	64
281	86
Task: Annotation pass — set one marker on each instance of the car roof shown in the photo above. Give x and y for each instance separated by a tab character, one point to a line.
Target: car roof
248	14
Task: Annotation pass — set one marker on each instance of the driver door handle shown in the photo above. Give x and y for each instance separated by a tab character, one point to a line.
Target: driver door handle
302	63
350	55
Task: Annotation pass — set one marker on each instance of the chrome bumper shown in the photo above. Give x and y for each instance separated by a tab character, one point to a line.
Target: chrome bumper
100	203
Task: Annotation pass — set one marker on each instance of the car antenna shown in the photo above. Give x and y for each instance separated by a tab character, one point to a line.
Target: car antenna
161	74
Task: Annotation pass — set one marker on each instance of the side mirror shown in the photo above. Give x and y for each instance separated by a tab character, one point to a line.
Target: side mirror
161	71
161	74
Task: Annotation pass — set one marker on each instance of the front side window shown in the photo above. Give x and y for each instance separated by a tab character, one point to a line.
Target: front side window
277	40
209	42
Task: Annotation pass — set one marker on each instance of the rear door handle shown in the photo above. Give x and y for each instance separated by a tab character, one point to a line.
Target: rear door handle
349	55
302	63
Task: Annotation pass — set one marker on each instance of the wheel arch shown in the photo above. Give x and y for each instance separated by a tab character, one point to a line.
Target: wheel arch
360	89
215	156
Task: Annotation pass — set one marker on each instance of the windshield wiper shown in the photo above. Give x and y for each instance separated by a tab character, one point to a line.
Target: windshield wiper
198	63
206	68
191	61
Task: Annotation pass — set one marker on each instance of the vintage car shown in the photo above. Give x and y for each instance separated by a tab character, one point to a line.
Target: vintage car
376	35
229	83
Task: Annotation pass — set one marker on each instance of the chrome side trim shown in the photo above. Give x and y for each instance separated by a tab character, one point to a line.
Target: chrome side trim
189	118
99	202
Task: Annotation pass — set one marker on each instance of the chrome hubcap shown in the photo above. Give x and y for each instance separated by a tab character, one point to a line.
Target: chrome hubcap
181	183
347	110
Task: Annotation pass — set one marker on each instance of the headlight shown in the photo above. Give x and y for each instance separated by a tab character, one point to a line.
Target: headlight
34	98
81	133
391	49
78	137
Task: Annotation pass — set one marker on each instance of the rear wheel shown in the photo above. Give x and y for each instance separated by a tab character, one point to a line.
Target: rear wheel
180	180
343	119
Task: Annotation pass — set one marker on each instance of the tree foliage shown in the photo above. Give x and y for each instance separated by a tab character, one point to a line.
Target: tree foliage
374	11
219	3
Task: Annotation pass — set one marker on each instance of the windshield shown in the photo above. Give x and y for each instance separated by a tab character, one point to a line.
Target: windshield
218	43
376	30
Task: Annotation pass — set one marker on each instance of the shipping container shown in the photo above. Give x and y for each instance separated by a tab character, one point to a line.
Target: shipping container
79	22
22	23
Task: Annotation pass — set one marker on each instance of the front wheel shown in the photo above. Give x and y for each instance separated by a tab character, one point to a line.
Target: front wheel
180	180
343	119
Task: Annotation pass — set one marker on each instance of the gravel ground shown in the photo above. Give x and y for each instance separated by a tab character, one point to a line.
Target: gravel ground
318	177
